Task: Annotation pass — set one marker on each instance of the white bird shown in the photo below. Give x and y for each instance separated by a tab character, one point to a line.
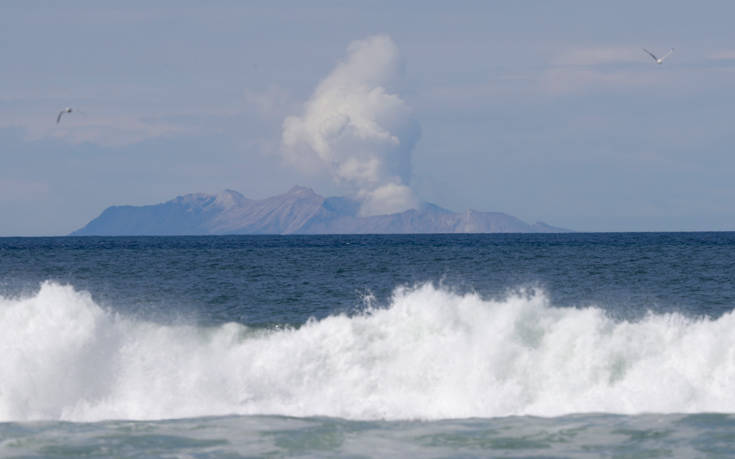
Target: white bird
66	110
659	60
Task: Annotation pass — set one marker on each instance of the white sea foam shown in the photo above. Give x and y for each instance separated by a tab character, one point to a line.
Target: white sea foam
431	354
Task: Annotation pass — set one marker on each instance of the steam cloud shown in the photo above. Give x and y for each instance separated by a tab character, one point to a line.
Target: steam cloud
357	128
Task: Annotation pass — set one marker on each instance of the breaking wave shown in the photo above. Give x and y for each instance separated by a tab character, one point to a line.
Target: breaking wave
430	354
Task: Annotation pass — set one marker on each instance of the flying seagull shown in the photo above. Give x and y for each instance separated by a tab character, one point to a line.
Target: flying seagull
659	60
66	110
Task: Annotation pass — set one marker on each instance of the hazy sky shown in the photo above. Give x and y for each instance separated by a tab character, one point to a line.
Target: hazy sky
544	110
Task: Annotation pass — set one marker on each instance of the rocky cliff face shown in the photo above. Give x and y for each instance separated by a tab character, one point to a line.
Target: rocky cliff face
299	211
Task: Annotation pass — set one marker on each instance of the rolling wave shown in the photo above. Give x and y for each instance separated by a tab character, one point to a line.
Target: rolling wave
430	354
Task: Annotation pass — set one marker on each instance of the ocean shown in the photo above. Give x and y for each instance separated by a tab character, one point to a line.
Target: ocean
499	345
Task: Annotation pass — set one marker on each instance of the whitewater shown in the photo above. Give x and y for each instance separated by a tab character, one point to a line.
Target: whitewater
429	353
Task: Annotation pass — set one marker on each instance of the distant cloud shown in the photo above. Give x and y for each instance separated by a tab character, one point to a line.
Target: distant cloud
599	55
571	80
357	128
116	131
602	67
723	55
107	130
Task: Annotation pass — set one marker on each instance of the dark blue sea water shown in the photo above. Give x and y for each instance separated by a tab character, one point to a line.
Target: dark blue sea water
551	345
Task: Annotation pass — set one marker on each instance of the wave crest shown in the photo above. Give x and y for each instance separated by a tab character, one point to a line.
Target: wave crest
431	354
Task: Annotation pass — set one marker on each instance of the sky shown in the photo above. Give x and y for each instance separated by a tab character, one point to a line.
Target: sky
548	111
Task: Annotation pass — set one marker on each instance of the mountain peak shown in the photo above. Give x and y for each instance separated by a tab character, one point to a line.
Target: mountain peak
229	198
298	189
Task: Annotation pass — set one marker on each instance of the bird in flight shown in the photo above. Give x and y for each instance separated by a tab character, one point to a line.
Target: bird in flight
66	110
659	60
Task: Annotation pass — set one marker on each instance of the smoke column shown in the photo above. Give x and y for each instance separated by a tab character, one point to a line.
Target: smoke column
358	129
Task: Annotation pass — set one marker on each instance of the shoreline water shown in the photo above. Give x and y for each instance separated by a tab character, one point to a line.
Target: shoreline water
581	435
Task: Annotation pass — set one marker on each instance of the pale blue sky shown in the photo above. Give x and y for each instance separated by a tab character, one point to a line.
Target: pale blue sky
544	110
